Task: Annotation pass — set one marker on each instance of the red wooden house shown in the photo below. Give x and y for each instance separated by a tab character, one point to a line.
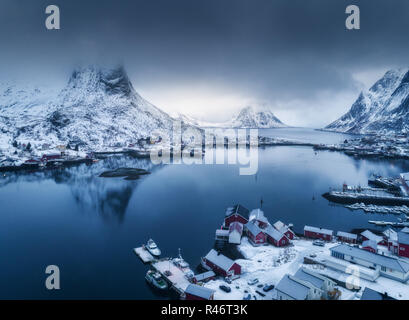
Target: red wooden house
259	216
220	264
347	237
283	228
237	213
195	292
370	245
403	244
275	237
48	157
318	233
368	235
255	234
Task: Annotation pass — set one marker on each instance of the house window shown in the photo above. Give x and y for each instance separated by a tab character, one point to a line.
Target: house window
383	269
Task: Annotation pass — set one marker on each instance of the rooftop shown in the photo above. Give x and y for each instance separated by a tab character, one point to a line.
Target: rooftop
309	276
371	236
199	291
347	235
238	209
319	230
219	260
389	262
403	237
293	288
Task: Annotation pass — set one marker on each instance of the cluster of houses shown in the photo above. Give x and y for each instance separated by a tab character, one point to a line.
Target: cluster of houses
396	242
358	249
305	284
239	221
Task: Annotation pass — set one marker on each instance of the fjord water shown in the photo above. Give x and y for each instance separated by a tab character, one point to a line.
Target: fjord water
88	225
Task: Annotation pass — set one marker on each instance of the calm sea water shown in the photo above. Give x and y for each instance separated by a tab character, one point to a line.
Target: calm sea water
88	225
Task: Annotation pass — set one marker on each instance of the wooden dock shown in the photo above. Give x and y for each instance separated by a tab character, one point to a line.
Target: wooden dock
144	255
173	275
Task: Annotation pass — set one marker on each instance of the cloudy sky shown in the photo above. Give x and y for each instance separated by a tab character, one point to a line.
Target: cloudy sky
209	58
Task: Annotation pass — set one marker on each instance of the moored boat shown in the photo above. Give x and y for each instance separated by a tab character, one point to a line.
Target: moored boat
155	279
152	247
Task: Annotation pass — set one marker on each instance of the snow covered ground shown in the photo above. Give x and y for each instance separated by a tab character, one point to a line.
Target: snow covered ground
269	264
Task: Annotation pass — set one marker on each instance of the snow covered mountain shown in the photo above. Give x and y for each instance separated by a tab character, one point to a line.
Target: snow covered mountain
98	108
248	117
384	108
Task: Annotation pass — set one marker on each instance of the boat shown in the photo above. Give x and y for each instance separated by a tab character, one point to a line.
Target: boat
155	279
180	262
153	248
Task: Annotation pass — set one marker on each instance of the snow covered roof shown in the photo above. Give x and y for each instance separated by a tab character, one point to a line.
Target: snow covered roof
236	226
253	227
238	209
405	176
272	232
370	294
347	235
222	232
292	288
312	277
219	260
385	261
406	230
199	291
391	234
403	238
257	214
319	230
369	243
204	275
371	236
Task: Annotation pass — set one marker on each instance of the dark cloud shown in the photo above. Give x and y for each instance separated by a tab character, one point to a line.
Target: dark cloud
272	50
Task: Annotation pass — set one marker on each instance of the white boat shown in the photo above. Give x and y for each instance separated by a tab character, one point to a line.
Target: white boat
153	248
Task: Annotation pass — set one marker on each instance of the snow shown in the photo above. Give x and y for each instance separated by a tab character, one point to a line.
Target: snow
269	264
380	109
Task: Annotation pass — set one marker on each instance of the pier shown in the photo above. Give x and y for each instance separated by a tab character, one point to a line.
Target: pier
172	274
144	254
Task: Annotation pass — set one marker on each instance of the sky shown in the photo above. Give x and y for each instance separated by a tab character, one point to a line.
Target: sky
208	59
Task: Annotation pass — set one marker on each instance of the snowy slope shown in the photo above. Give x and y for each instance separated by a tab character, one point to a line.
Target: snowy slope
248	117
384	108
98	109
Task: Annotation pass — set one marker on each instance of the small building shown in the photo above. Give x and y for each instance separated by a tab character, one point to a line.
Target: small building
275	237
236	213
195	292
318	233
370	246
222	235
370	294
258	216
283	228
53	156
255	234
405	230
204	277
291	288
390	239
390	267
326	285
347	237
403	244
220	264
368	235
235	232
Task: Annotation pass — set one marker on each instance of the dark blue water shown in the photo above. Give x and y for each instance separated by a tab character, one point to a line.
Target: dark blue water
88	225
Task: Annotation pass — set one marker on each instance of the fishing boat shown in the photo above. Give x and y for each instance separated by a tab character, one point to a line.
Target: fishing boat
153	248
155	279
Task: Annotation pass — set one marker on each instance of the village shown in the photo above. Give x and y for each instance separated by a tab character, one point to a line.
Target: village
278	264
372	146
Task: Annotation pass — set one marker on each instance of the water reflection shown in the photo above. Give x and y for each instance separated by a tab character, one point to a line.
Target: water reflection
108	197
